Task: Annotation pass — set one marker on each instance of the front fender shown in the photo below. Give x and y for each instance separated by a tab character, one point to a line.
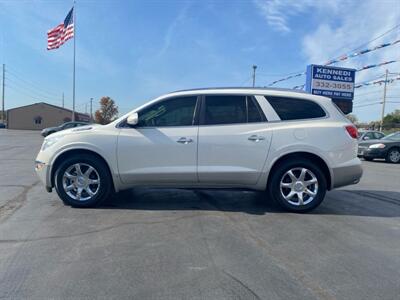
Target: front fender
108	153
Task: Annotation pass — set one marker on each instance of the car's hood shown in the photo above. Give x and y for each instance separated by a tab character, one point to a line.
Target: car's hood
50	129
76	130
371	142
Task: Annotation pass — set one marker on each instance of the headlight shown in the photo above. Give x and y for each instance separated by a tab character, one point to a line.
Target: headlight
377	146
49	142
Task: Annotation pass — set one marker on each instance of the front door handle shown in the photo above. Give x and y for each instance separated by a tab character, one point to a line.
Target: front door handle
256	138
184	140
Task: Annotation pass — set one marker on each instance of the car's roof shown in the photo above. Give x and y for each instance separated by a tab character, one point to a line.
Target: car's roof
246	90
262	89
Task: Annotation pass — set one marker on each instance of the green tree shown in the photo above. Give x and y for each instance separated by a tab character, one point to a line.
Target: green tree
353	118
108	111
3	117
392	120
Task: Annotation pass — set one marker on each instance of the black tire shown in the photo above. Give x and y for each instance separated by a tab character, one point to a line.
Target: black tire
105	185
368	158
391	158
274	188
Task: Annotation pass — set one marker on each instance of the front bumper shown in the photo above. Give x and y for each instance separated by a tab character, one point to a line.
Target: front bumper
361	150
347	175
43	171
375	153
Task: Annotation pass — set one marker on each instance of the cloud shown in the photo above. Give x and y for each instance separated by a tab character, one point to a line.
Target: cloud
278	12
178	21
362	23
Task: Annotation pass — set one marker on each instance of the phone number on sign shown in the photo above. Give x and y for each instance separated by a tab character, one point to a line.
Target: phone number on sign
333	85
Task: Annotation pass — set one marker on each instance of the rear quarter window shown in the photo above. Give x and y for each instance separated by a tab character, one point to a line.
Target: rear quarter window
295	109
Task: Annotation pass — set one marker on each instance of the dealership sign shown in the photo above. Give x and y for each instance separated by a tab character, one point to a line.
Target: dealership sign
332	82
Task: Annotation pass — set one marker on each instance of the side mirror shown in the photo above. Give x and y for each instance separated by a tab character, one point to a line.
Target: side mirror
132	119
366	138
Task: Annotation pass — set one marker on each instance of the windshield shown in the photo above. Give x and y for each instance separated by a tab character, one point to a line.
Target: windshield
393	137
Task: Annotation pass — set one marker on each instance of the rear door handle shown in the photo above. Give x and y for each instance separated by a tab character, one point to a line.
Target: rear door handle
184	140
256	138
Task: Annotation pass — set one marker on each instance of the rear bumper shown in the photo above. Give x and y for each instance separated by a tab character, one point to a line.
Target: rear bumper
347	175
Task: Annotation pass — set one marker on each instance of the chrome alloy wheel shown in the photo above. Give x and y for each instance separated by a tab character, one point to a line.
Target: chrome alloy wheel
81	182
299	186
394	156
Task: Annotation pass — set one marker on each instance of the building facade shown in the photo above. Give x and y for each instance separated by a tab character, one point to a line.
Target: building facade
41	115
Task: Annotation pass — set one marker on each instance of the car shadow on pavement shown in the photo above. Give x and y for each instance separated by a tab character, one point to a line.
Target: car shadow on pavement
338	202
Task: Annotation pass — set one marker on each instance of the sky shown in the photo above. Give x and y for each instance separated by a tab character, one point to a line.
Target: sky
134	51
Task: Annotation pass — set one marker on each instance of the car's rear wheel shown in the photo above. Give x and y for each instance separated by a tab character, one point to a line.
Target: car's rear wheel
393	156
298	185
83	181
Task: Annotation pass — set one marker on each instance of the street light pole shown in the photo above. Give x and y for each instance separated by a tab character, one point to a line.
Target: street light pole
384	100
2	98
254	75
91	105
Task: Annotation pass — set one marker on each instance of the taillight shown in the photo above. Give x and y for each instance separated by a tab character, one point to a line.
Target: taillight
352	131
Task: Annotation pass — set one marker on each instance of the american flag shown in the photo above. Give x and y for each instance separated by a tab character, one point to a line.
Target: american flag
62	33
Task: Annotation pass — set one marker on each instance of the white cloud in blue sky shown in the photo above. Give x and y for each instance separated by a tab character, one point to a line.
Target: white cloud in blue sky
136	50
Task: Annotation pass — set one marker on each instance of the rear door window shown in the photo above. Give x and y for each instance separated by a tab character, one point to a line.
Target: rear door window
369	136
295	109
379	135
254	112
231	109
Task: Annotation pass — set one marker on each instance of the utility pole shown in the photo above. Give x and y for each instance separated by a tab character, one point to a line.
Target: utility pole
3	117
63	99
254	75
384	100
91	105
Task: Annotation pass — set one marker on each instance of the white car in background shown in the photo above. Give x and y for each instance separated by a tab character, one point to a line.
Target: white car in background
293	145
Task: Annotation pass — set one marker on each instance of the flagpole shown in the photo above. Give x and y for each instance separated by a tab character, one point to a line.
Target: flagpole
73	75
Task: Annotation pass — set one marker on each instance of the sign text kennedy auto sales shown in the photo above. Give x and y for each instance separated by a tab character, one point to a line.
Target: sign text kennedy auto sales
333	82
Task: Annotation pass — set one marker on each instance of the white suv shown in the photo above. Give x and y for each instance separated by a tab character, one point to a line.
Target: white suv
291	144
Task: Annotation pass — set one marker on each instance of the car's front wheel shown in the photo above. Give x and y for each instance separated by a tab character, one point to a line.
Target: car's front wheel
83	181
393	156
298	185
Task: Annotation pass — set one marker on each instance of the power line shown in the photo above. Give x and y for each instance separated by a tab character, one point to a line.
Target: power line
373	40
30	90
276	75
22	92
345	57
364	105
360	95
248	79
374	103
28	86
37	86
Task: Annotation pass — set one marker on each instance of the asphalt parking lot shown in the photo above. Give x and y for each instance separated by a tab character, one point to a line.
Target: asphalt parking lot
195	244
